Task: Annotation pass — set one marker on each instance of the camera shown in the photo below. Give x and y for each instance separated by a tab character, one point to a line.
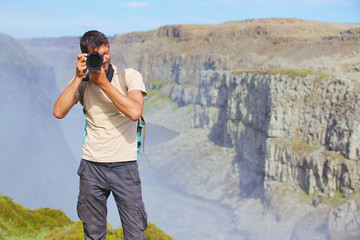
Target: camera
94	61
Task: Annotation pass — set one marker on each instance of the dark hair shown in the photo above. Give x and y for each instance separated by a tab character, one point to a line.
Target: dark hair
92	39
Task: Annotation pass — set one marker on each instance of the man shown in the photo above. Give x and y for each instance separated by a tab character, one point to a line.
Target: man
112	105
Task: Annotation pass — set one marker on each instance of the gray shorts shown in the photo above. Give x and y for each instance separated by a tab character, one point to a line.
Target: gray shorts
97	180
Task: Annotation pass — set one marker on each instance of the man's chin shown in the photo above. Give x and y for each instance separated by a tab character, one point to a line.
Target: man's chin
106	67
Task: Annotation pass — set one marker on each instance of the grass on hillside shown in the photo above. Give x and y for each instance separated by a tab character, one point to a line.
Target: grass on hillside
19	223
298	146
155	100
335	200
75	231
289	72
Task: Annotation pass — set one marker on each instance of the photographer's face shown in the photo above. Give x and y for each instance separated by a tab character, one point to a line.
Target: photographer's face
105	51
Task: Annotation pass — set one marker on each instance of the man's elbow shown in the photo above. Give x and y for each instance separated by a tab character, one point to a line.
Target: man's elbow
134	116
58	114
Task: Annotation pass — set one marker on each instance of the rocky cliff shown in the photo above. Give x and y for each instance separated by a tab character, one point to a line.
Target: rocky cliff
179	53
270	135
60	53
293	121
294	129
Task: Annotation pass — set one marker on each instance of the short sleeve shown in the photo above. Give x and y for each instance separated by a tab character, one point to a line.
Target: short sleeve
134	81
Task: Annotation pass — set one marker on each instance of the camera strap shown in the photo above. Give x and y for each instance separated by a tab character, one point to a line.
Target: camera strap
109	75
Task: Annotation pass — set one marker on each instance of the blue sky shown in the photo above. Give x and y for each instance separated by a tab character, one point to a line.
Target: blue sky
46	18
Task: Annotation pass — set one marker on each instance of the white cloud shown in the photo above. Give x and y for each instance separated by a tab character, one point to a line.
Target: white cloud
139	4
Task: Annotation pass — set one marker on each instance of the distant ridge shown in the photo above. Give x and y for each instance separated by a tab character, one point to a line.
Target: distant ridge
268	43
290	27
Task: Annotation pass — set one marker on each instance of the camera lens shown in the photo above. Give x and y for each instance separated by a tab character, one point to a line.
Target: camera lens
94	61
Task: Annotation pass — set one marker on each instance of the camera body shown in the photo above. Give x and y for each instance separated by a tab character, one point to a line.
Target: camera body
94	61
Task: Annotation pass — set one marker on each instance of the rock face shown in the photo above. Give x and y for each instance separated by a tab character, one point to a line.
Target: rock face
60	53
302	130
345	218
178	54
294	129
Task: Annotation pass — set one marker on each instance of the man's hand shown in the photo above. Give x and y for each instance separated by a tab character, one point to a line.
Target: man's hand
68	97
99	77
81	66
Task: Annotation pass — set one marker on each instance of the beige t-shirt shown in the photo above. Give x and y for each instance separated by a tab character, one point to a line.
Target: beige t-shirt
111	136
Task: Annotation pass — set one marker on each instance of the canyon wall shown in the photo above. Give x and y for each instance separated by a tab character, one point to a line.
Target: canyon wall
301	130
265	136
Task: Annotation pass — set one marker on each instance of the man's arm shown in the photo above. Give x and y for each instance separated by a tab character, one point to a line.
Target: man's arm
130	104
68	97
